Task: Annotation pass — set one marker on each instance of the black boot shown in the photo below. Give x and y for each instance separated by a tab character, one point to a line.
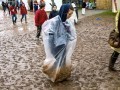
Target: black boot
113	60
38	34
111	64
38	31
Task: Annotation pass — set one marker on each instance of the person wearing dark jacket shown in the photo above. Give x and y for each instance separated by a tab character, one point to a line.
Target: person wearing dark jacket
83	7
40	18
35	6
4	6
54	12
31	5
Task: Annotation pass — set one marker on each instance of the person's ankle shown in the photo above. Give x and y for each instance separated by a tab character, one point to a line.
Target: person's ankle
111	69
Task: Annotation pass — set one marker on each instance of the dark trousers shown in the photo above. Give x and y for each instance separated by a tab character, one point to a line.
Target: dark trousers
77	13
38	31
4	9
113	59
24	15
14	18
115	54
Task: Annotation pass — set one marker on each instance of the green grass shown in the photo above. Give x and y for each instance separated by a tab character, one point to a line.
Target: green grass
108	13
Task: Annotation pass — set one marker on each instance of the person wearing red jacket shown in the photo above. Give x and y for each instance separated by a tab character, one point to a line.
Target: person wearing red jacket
40	18
23	12
13	13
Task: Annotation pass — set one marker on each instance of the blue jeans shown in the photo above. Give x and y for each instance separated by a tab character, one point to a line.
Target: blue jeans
24	15
14	18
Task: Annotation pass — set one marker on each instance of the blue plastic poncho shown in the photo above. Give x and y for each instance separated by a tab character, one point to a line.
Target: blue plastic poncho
59	41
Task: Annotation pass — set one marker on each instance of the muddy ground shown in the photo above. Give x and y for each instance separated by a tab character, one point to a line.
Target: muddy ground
22	56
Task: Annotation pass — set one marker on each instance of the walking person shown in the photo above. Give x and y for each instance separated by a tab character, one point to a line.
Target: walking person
40	18
4	6
23	12
59	39
87	5
35	6
54	12
74	17
31	5
8	7
83	7
75	8
13	11
116	52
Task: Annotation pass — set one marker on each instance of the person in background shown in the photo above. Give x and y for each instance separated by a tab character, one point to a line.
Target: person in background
13	11
40	18
74	17
17	5
21	2
75	9
54	12
83	7
87	5
116	52
90	5
31	5
23	12
42	1
35	6
4	6
8	7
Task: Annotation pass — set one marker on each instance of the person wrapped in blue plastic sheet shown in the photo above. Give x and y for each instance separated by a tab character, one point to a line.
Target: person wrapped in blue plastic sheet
59	39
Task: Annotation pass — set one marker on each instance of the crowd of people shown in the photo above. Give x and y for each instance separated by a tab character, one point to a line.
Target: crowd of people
13	9
18	6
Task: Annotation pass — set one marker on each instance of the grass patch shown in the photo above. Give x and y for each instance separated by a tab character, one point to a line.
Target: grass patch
108	13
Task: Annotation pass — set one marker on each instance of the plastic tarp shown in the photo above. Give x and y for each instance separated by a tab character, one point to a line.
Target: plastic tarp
59	41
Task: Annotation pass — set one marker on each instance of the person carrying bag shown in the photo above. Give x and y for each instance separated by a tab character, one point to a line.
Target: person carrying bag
114	42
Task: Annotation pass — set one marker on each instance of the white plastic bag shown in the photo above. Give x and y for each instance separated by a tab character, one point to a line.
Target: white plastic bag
57	65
